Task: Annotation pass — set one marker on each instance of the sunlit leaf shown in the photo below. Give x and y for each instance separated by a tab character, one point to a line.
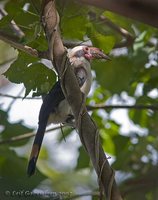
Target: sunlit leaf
34	75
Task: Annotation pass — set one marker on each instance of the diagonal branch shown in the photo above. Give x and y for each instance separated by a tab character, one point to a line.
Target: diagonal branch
129	38
136	106
13	41
19	97
13	25
144	10
25	136
85	125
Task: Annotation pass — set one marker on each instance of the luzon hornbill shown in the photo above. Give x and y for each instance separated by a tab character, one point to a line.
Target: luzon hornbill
55	108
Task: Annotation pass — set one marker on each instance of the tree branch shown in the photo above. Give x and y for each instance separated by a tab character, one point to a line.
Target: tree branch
13	41
95	107
128	36
25	136
19	97
87	129
124	33
13	25
137	107
140	10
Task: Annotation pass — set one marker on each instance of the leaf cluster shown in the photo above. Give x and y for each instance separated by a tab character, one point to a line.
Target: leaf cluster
130	76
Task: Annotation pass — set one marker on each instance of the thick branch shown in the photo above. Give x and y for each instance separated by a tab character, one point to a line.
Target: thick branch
141	10
87	129
11	40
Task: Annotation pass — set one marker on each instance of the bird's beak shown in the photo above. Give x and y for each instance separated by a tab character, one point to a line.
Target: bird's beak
97	53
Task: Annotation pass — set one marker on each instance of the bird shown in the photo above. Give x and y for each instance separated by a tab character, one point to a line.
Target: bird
55	108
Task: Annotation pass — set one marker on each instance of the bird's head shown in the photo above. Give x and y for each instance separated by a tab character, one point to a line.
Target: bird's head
88	53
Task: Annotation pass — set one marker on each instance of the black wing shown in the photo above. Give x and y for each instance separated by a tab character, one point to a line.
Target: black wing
50	102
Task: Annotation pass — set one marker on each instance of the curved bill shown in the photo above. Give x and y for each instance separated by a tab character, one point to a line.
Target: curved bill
97	53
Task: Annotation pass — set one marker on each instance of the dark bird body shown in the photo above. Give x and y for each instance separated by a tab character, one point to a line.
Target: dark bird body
55	108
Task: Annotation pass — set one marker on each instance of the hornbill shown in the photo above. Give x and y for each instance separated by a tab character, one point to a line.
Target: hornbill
55	108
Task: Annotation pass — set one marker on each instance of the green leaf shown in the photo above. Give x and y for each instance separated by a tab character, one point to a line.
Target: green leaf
13	174
12	7
10	130
24	19
118	74
100	40
141	40
3	117
106	43
73	24
121	143
74	27
139	117
119	20
16	129
108	144
83	159
5	21
34	75
150	76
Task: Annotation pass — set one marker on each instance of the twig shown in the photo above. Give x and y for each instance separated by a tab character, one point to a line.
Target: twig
19	97
117	28
95	107
13	100
138	107
13	25
128	36
25	136
123	32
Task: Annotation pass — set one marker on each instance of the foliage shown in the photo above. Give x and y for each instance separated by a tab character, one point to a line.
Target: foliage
130	76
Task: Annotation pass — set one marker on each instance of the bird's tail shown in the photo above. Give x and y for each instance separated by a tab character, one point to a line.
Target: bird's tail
35	150
50	103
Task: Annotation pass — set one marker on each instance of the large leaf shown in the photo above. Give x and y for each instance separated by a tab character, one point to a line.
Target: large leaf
118	74
10	130
83	159
73	24
16	129
34	75
106	43
13	176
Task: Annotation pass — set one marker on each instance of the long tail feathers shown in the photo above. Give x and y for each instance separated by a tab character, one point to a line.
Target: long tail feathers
50	102
33	159
35	150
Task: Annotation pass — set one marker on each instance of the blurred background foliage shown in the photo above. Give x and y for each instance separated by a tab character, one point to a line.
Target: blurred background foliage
129	136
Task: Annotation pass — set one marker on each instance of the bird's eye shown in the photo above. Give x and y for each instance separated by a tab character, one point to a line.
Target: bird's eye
86	48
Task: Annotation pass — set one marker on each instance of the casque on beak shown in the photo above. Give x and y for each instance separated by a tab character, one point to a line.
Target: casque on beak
97	53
